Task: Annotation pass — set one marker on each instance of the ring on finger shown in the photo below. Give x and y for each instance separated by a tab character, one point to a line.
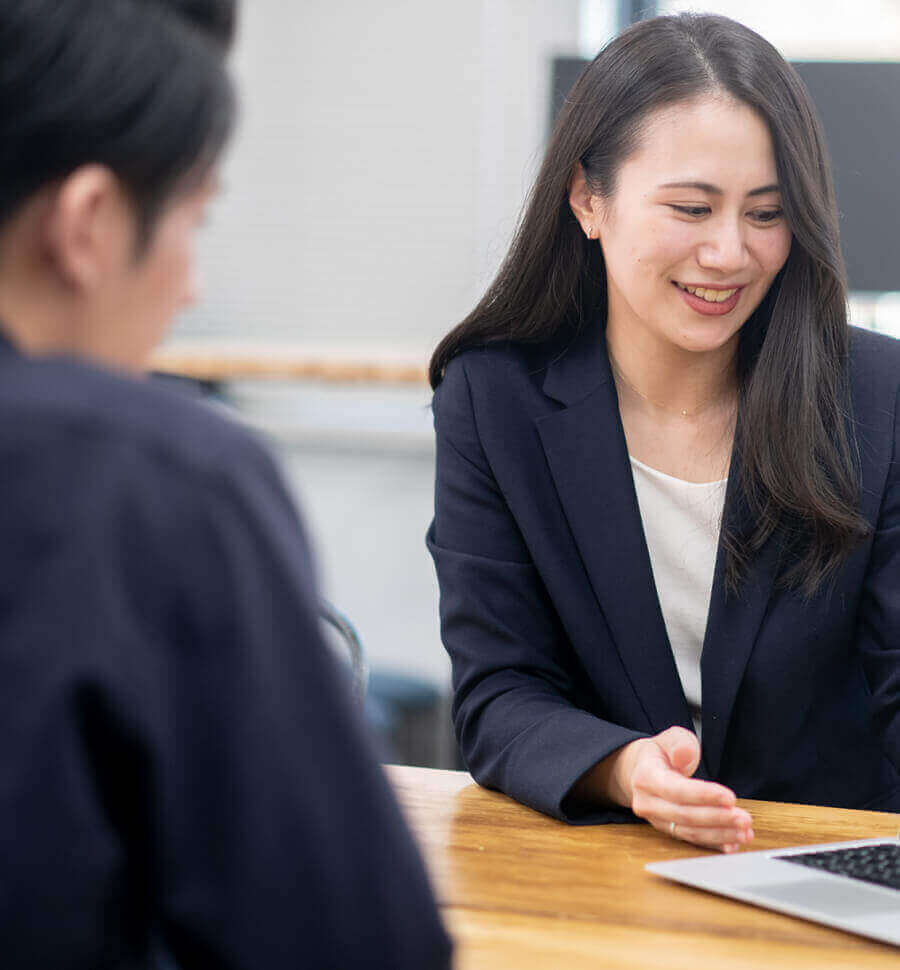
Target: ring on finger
672	829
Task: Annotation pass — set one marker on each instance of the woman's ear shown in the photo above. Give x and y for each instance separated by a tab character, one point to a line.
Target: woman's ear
88	227
587	207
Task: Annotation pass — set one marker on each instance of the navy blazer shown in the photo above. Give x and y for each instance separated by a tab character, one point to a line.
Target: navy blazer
551	618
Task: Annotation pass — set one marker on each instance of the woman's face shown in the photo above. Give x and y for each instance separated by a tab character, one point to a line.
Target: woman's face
693	235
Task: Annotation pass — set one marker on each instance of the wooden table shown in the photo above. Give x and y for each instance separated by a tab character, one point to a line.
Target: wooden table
222	360
521	891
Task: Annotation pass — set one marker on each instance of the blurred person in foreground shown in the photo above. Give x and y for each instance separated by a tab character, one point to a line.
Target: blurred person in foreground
181	770
667	524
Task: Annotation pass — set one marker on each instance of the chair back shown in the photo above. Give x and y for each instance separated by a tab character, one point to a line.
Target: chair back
349	639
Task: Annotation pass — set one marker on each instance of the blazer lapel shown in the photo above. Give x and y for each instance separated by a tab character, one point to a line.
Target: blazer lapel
731	629
585	447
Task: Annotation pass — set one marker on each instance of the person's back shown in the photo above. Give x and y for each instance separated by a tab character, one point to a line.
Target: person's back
181	767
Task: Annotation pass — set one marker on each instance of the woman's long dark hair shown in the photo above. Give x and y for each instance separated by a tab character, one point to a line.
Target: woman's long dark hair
137	85
797	451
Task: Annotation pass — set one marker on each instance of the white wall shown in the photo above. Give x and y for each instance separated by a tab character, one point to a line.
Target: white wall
864	30
384	154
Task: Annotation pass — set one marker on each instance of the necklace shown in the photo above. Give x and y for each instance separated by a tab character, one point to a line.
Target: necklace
684	412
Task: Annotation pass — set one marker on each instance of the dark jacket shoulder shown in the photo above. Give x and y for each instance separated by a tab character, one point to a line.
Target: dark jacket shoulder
502	366
75	402
875	391
875	357
511	376
876	349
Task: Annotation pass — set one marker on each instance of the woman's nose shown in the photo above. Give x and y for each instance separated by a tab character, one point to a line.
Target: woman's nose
724	249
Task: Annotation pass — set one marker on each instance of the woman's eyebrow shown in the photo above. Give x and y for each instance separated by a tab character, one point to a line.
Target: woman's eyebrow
715	190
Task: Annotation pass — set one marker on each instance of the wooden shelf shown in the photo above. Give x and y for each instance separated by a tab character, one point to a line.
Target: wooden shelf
221	361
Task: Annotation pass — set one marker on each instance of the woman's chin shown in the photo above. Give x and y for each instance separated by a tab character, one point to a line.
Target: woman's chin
706	338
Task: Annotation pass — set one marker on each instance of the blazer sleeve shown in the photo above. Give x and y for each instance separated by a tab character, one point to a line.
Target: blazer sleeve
879	616
515	708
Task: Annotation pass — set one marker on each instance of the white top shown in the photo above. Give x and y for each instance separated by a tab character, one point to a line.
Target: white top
681	524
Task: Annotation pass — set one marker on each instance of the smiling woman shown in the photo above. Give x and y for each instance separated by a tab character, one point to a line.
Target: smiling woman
667	501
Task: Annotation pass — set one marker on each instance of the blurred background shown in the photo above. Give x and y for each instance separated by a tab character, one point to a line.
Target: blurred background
383	157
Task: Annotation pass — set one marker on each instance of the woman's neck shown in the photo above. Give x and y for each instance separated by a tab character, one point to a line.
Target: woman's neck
664	378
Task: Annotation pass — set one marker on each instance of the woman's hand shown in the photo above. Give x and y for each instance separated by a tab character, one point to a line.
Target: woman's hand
652	777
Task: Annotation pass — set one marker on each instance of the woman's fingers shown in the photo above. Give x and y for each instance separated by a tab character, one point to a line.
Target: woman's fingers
711	832
681	749
703	812
691	791
657	777
693	816
712	838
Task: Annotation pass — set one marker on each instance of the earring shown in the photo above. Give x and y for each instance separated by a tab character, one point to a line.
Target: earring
590	232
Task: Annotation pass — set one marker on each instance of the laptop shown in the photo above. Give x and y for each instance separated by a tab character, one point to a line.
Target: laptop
854	886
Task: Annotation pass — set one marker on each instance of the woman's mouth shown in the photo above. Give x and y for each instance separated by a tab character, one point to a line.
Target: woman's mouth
709	300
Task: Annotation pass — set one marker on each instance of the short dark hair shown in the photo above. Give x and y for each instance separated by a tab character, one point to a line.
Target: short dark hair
217	18
137	85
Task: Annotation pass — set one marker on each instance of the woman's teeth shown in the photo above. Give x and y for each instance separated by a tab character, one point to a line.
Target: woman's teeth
711	296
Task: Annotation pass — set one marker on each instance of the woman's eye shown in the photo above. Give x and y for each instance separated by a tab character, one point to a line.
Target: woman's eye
691	210
766	215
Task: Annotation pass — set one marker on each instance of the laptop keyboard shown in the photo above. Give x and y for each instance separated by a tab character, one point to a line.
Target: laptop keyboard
879	864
